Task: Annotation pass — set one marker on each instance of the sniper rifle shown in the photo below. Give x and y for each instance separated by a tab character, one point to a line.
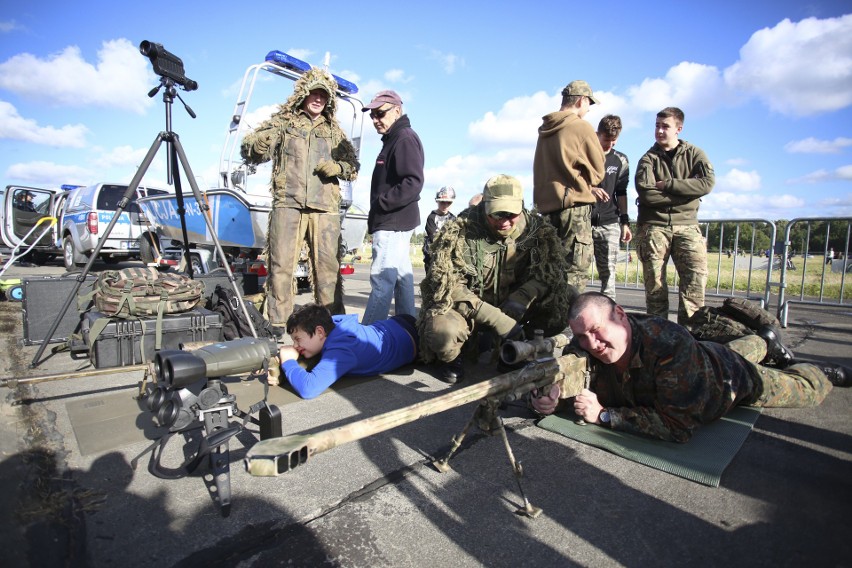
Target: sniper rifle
274	456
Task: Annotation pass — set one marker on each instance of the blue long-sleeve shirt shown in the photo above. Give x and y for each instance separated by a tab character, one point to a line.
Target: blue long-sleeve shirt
353	349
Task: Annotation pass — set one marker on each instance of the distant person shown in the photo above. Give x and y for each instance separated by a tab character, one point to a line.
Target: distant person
829	256
568	163
394	212
436	219
343	347
653	378
310	154
474	201
24	201
610	221
671	178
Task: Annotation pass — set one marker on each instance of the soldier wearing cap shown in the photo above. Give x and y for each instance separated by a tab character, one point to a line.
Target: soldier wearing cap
568	163
310	153
436	219
394	211
496	269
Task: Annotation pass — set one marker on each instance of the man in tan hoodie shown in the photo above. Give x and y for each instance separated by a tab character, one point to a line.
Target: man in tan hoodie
568	162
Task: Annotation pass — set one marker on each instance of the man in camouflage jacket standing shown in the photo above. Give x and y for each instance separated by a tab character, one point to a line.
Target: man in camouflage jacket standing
309	153
655	379
496	268
671	179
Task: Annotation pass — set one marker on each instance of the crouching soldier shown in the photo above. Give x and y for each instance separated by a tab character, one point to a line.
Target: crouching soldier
497	268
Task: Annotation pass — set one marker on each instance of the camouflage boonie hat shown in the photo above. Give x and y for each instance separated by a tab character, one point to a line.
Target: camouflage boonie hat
503	193
581	89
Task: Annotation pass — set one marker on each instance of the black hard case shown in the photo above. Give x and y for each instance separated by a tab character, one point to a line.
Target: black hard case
44	296
120	343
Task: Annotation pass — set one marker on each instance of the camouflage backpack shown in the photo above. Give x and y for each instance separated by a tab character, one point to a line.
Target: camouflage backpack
138	292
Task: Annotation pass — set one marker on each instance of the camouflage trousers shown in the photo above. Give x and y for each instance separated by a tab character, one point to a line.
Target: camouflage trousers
685	245
574	228
289	230
798	386
607	239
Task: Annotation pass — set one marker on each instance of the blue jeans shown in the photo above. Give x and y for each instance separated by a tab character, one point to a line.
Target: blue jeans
391	277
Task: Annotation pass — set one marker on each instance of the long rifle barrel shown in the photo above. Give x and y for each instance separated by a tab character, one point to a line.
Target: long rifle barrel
278	455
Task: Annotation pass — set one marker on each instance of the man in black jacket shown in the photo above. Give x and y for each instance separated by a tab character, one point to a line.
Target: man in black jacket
610	223
394	212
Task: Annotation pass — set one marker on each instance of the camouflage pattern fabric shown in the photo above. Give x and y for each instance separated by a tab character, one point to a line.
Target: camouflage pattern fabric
289	229
574	228
471	265
296	145
607	242
685	245
675	383
134	292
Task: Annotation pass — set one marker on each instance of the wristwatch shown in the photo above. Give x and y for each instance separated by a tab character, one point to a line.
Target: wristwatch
604	416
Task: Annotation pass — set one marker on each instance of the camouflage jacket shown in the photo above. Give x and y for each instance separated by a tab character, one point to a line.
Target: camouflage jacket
689	176
468	261
674	383
296	144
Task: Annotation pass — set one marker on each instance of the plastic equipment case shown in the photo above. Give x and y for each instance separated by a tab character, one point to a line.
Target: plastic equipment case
123	342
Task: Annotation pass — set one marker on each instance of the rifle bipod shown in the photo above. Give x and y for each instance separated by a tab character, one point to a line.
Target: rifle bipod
489	421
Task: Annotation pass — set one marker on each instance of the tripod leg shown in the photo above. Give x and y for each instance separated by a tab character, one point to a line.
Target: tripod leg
122	204
205	209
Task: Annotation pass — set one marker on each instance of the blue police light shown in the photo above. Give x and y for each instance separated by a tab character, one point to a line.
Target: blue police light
288	61
68	186
345	86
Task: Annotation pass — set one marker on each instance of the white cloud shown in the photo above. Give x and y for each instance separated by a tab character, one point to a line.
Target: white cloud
815	146
48	174
739	180
745	205
120	79
801	68
9	26
122	156
397	76
449	61
516	122
13	126
693	87
843	173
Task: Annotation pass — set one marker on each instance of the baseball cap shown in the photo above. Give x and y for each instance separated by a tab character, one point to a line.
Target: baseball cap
382	98
579	88
503	193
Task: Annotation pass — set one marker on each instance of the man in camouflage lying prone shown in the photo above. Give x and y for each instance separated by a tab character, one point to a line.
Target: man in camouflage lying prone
497	268
657	380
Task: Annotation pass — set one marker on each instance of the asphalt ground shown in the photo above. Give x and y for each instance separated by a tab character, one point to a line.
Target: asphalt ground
783	501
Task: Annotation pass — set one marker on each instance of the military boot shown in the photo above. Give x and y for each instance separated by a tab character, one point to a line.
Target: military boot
781	356
838	375
452	372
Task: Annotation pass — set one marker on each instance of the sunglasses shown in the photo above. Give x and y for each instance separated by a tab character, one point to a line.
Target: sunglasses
502	215
376	113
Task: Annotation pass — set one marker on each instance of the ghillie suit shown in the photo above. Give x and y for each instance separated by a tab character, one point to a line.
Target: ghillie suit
309	158
475	274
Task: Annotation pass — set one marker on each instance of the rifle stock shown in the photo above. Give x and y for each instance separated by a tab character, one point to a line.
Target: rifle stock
278	455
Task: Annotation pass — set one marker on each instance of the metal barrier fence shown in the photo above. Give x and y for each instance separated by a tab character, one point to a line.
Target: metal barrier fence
739	251
831	289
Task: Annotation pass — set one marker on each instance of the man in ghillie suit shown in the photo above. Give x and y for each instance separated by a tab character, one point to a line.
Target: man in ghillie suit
497	268
309	153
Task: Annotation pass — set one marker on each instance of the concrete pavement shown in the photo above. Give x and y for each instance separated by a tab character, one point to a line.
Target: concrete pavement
783	501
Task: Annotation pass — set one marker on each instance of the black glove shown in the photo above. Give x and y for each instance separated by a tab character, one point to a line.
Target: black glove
515	334
513	309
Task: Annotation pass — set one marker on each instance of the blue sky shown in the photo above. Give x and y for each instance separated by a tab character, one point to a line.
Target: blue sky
766	86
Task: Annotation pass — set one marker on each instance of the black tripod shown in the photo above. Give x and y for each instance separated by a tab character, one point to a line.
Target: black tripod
176	155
